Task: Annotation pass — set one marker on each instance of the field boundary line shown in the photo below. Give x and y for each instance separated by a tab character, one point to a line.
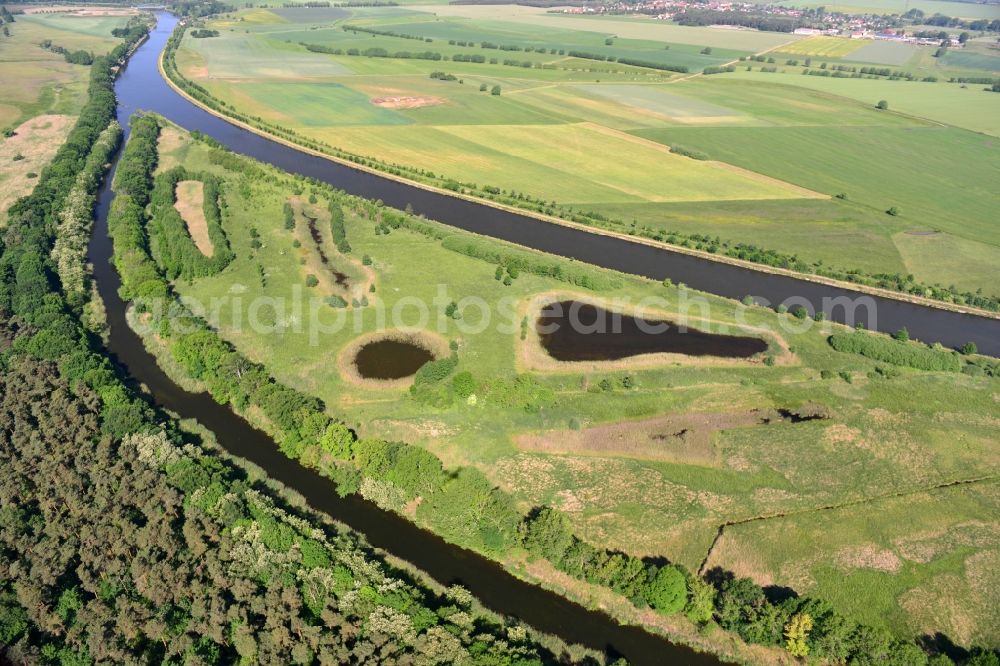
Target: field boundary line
833	507
677	249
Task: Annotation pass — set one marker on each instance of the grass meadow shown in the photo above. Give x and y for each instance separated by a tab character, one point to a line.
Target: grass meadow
37	81
890	433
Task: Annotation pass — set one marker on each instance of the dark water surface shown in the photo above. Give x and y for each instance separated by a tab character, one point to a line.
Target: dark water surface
140	86
390	359
575	331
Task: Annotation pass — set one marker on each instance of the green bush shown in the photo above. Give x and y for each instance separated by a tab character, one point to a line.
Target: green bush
897	352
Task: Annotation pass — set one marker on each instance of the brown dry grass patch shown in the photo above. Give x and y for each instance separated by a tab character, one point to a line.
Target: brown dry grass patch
37	141
169	141
680	438
189	200
406	102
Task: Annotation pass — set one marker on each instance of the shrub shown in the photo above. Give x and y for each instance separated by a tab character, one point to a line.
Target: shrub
434	371
464	384
667	592
897	352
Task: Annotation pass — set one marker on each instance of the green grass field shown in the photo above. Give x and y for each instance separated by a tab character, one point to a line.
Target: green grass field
968	107
917	562
884	436
873	167
822	47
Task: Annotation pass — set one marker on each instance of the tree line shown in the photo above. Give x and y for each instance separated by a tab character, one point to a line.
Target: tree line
170	241
756	20
78	57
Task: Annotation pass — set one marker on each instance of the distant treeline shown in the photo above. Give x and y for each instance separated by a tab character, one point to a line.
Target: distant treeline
384	33
718	70
199	8
745	19
202	33
628	61
952	22
374	52
488	45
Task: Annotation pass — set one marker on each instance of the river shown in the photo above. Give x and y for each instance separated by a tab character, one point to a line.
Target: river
140	86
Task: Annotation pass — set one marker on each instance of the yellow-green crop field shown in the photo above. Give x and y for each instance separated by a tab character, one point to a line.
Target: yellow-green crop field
822	46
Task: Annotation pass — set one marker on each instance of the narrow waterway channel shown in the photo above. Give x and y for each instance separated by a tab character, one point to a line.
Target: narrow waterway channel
139	86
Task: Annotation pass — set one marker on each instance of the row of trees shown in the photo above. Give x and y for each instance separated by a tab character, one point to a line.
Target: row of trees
384	33
757	20
170	242
529	263
586	55
76	219
337	229
78	57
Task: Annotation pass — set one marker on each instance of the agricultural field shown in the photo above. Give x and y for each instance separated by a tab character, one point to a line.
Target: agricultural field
42	93
596	136
644	29
822	47
872	165
651	455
